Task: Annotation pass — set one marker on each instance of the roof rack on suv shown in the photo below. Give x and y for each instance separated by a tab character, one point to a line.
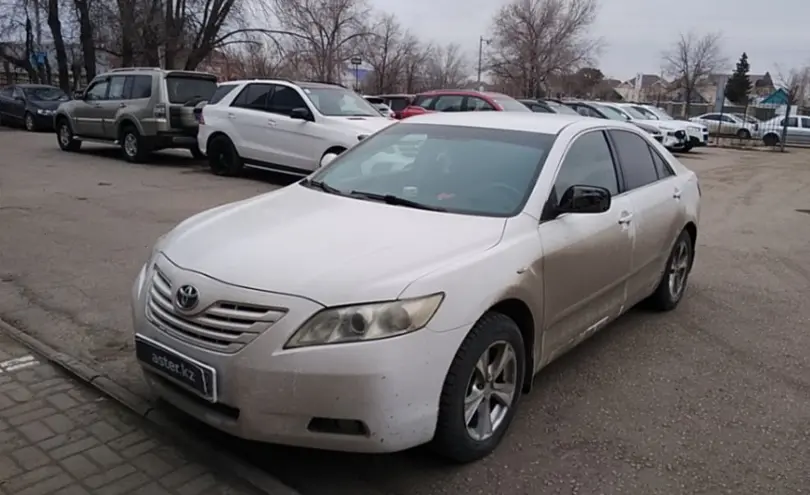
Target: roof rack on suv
326	82
125	69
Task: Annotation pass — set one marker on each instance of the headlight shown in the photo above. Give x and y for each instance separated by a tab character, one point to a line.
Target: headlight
366	321
44	112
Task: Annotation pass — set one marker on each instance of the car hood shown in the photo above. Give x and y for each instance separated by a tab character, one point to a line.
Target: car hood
665	124
46	105
365	124
328	248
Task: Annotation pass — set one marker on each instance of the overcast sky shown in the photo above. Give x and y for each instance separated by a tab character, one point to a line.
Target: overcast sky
773	33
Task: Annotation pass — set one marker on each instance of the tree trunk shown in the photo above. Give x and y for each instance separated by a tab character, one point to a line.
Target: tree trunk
59	44
86	39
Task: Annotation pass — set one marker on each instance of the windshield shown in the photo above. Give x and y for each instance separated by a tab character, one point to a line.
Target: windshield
612	113
340	102
746	118
183	89
634	114
564	109
661	113
510	104
46	94
469	170
648	114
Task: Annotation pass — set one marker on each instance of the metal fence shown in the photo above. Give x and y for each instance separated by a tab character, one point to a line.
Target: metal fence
755	125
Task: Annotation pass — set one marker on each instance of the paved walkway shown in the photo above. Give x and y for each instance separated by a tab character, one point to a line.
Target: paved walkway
59	437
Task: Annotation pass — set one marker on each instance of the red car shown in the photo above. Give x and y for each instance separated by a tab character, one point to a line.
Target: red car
456	100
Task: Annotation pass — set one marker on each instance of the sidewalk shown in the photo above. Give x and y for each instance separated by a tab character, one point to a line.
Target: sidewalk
59	437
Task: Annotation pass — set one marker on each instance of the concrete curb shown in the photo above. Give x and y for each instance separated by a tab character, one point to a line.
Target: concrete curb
223	462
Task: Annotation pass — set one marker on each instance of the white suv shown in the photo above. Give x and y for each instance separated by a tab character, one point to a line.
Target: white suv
285	126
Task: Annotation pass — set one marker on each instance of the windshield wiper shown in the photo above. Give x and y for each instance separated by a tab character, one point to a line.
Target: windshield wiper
396	200
322	186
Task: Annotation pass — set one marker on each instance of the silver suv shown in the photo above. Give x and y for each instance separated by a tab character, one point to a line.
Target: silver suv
140	109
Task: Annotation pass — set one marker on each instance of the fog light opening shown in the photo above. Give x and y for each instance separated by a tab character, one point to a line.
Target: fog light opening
338	426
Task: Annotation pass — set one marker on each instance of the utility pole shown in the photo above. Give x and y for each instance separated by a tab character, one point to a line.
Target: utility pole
481	41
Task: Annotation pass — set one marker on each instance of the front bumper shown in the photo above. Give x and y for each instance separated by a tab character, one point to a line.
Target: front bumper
44	121
387	390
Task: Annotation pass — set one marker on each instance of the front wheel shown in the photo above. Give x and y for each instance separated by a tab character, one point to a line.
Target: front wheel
30	123
64	135
481	390
743	134
771	140
672	286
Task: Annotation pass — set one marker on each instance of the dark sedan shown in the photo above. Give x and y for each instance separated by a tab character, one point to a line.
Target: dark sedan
30	105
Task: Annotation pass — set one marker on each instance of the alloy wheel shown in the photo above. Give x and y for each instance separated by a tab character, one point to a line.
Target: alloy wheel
131	144
491	390
29	122
678	269
64	135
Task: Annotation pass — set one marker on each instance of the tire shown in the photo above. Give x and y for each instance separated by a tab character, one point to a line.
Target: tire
223	158
196	153
133	145
687	148
770	140
29	122
454	439
64	136
744	134
673	282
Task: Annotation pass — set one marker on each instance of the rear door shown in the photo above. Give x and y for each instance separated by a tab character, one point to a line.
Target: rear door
654	190
115	101
794	132
17	105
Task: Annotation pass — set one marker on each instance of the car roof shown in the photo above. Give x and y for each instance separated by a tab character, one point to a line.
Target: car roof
551	123
31	86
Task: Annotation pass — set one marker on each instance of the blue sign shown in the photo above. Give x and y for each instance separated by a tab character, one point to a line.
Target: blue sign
41	57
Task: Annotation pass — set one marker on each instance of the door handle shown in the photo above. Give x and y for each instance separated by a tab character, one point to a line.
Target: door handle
231	116
271	122
96	105
122	105
625	218
677	194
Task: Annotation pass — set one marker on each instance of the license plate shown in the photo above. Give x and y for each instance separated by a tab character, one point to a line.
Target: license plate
189	373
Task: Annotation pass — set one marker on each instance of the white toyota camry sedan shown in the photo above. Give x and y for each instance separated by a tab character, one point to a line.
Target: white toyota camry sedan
408	292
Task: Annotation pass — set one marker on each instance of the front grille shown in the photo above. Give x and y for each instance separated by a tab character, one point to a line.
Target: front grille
224	326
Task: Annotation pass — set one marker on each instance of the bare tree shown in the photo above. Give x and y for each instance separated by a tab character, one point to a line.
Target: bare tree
535	39
325	33
691	61
387	51
446	67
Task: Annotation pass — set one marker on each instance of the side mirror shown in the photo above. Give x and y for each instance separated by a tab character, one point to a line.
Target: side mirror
19	98
584	199
301	114
78	95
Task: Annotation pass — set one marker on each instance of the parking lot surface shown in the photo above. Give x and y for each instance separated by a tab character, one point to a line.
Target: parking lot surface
59	437
711	398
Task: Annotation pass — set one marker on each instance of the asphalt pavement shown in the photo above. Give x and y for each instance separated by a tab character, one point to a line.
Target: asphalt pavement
711	398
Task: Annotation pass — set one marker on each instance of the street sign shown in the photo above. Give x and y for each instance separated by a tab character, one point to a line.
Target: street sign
356	60
41	57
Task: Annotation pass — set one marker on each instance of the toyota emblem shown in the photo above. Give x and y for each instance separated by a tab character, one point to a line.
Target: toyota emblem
187	297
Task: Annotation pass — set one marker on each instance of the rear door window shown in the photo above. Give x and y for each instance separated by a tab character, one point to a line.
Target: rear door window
285	99
141	87
397	104
476	104
183	89
116	91
254	96
636	161
449	103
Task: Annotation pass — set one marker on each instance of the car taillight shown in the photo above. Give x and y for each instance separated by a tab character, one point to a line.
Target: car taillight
160	111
